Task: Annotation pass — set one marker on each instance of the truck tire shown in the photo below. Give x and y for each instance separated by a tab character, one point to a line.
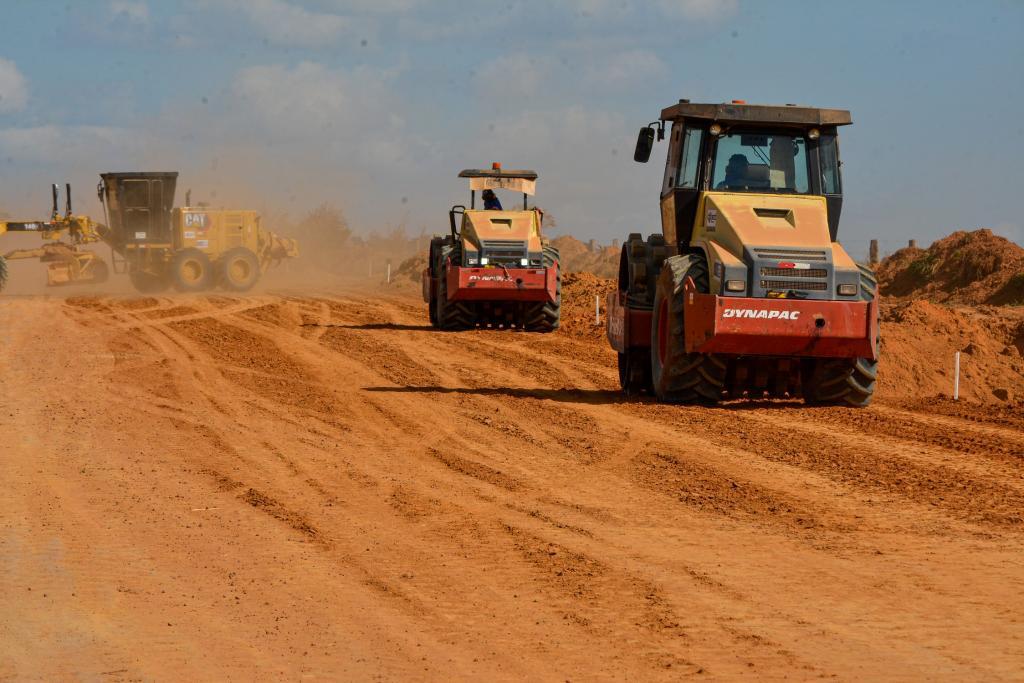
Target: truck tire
843	381
432	308
440	248
148	283
678	376
191	271
635	371
452	315
547	316
3	272
239	270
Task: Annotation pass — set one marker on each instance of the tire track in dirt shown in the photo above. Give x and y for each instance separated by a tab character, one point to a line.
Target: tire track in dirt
866	468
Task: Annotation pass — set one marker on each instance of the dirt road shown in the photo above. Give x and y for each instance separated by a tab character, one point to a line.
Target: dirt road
321	488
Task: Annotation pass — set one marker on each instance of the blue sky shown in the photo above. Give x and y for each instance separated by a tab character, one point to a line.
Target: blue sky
375	106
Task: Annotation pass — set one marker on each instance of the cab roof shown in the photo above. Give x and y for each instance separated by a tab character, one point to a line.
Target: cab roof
739	112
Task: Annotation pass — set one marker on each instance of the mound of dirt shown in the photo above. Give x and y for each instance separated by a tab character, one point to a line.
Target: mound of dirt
410	270
965	267
578	298
920	338
577	257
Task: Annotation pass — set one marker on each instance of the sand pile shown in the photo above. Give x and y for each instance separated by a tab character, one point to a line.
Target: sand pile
965	267
410	270
920	338
578	293
577	257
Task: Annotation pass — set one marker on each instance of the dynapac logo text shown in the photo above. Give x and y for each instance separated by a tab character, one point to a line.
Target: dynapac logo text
766	315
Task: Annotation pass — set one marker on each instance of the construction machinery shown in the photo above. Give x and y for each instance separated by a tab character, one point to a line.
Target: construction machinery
193	248
746	292
68	261
494	269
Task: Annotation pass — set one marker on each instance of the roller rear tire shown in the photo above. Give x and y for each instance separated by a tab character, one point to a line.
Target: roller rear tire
678	376
452	315
547	316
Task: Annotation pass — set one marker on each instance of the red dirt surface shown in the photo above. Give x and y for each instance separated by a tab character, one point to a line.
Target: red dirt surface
965	267
291	486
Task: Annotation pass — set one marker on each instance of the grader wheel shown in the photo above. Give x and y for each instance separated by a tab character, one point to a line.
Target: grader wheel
239	270
191	271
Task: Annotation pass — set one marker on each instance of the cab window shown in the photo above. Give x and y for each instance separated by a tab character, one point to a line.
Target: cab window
689	159
759	161
828	158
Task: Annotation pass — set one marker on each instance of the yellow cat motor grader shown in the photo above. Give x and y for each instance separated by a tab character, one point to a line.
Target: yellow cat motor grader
745	292
67	261
494	269
193	248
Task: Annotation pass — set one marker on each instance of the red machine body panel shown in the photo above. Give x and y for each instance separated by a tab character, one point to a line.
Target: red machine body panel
627	327
502	284
779	327
757	327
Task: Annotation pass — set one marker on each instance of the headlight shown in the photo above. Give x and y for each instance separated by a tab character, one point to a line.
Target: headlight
524	261
715	129
847	290
813	133
735	286
471	260
484	261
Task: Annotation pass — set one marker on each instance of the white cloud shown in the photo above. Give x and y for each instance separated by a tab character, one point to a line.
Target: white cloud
705	10
512	76
285	23
132	12
42	144
13	87
377	6
623	68
311	96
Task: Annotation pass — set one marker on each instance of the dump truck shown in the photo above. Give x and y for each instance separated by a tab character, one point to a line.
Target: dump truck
746	292
193	248
494	268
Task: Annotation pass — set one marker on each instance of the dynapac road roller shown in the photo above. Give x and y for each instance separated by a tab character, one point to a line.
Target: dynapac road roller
494	269
746	292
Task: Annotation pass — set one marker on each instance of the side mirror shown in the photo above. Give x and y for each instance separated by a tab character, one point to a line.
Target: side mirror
644	145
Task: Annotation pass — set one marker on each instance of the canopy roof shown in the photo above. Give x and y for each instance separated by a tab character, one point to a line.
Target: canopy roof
499	179
497	173
786	114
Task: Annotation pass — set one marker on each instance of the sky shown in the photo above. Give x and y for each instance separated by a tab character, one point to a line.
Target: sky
374	106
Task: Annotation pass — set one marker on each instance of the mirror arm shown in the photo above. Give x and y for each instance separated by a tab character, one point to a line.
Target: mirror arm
451	220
